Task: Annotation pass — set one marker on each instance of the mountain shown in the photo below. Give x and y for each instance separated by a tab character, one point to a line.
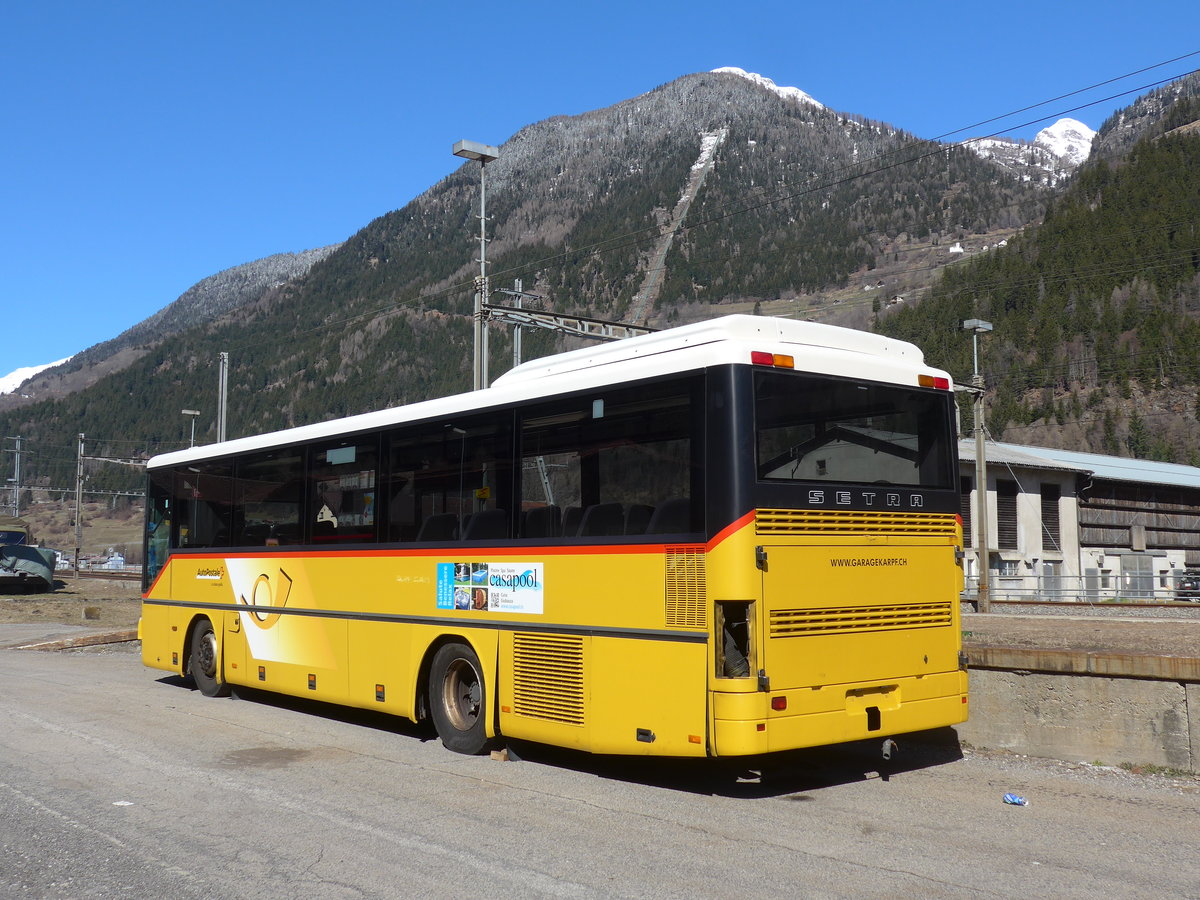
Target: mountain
204	301
1172	106
713	193
1096	312
1067	139
1053	156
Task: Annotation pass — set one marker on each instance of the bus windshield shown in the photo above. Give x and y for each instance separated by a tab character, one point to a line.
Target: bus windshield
816	428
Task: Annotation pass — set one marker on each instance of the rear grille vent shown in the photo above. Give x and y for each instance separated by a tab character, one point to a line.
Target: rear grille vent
686	592
548	677
793	521
857	619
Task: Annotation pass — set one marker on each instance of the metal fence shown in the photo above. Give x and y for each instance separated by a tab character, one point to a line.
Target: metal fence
1088	588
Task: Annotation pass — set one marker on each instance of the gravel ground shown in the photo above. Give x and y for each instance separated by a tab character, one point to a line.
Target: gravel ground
96	602
1185	611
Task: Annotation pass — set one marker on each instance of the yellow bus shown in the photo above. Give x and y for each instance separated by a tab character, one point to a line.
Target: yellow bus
731	538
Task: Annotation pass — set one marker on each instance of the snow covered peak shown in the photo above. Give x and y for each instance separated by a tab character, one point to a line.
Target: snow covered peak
1055	153
14	379
788	93
1067	138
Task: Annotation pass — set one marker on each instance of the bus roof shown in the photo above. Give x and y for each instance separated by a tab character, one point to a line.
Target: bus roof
729	330
817	348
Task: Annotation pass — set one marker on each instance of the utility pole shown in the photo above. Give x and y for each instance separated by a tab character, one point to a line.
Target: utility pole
983	595
517	289
485	154
222	394
983	600
192	413
16	479
78	505
79	460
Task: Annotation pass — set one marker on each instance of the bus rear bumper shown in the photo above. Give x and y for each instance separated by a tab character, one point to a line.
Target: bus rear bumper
746	724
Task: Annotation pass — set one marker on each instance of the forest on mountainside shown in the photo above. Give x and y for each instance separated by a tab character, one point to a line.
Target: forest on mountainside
1096	341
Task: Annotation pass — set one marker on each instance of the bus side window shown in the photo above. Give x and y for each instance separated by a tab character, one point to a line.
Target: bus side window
446	471
610	461
267	497
203	505
342	492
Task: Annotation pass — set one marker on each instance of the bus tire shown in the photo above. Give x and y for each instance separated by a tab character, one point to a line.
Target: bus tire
204	660
458	699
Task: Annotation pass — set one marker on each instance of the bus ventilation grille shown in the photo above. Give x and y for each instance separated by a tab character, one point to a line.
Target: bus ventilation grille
852	620
686	592
548	677
792	521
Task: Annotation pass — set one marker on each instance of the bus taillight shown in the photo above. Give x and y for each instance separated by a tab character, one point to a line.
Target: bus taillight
778	360
934	381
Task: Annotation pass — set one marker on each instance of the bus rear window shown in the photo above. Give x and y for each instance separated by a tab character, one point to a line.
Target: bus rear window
816	428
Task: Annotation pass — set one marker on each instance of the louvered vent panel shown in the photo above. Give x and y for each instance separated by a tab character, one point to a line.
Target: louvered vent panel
797	521
852	620
686	594
548	677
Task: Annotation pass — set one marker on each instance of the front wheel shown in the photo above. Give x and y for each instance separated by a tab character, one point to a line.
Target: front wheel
204	662
458	699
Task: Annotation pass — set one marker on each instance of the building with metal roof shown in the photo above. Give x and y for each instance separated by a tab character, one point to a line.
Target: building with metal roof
1082	526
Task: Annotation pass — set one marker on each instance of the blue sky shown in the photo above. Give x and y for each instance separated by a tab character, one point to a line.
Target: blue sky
147	145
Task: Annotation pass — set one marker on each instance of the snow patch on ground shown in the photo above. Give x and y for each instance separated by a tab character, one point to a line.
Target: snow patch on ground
709	142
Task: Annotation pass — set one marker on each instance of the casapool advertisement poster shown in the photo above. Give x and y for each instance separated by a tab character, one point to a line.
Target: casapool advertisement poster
510	587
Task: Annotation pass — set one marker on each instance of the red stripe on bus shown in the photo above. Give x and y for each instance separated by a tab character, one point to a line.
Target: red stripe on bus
728	530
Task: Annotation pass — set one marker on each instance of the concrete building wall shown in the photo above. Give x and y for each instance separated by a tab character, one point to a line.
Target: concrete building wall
1039	557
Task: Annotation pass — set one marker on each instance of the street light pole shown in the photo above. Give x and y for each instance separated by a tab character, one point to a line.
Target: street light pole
983	600
222	394
485	154
193	413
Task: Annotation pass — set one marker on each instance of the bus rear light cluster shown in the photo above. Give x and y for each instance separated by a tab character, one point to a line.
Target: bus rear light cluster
778	360
934	381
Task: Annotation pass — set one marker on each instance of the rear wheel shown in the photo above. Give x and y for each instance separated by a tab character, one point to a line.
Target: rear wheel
204	663
458	699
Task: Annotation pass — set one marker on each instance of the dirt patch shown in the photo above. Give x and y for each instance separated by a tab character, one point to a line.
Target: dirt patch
96	602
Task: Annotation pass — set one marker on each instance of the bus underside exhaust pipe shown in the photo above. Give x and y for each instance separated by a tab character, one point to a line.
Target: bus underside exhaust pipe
890	749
